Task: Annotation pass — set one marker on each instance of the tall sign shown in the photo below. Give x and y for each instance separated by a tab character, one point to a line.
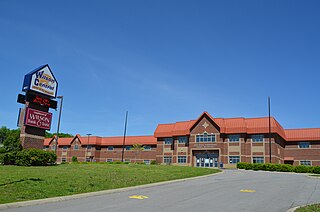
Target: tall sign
41	80
40	87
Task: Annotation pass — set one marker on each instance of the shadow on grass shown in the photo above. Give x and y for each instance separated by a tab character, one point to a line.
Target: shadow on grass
22	180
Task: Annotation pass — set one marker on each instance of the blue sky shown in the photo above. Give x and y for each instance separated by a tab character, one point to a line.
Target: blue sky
164	61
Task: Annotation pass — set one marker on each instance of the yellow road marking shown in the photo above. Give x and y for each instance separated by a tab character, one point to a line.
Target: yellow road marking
138	197
247	191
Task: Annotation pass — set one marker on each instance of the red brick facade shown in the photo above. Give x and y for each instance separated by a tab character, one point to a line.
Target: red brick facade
205	142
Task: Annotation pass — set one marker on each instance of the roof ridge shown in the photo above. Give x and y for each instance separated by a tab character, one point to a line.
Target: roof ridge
309	128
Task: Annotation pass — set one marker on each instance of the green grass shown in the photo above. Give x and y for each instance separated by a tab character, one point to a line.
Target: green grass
315	175
309	208
28	183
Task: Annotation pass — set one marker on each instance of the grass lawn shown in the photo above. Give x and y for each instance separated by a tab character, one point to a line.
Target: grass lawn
315	175
19	183
309	208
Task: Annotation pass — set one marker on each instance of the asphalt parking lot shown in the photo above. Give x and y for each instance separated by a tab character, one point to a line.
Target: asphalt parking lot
233	190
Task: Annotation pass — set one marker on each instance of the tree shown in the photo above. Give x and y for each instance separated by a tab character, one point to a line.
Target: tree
4	131
9	139
61	135
137	148
12	141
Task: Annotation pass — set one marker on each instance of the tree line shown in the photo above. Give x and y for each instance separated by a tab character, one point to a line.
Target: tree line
10	139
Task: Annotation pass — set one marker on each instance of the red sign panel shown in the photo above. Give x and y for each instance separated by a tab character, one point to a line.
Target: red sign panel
37	118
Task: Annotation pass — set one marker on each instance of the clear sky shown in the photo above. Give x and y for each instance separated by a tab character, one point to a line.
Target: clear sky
164	61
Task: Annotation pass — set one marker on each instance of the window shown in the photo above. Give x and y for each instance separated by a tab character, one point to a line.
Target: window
206	138
76	147
88	159
146	162
305	162
182	159
183	140
234	159
53	147
304	145
64	147
110	148
64	160
257	159
98	147
146	147
257	138
109	159
167	159
234	138
168	141
45	148
128	147
89	147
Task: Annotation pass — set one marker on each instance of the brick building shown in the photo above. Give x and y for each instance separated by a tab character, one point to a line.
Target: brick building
204	142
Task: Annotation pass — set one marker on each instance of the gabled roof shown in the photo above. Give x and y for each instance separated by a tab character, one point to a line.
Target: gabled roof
61	141
237	126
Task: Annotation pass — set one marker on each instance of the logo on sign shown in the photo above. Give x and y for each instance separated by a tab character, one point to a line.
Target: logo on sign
39	119
41	80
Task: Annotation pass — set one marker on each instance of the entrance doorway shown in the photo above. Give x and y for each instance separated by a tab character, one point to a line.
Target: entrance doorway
206	160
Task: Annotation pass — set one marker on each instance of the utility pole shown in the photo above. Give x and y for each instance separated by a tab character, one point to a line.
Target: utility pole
58	128
269	129
124	136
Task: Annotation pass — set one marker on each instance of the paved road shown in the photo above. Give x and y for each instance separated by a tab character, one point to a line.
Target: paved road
273	192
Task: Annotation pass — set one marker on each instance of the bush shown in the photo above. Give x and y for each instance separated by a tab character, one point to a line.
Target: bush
9	158
279	167
257	166
74	159
153	162
286	168
35	157
301	169
241	165
248	166
316	170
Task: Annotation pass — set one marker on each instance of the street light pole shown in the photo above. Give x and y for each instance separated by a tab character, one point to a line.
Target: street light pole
58	128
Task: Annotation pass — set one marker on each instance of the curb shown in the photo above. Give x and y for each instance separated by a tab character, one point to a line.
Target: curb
96	193
295	208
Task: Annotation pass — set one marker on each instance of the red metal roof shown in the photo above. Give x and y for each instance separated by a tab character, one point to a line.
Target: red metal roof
308	134
105	141
239	125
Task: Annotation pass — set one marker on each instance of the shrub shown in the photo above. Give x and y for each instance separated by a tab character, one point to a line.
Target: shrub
74	159
286	168
117	162
248	166
316	170
35	157
153	162
301	169
241	165
256	166
9	158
